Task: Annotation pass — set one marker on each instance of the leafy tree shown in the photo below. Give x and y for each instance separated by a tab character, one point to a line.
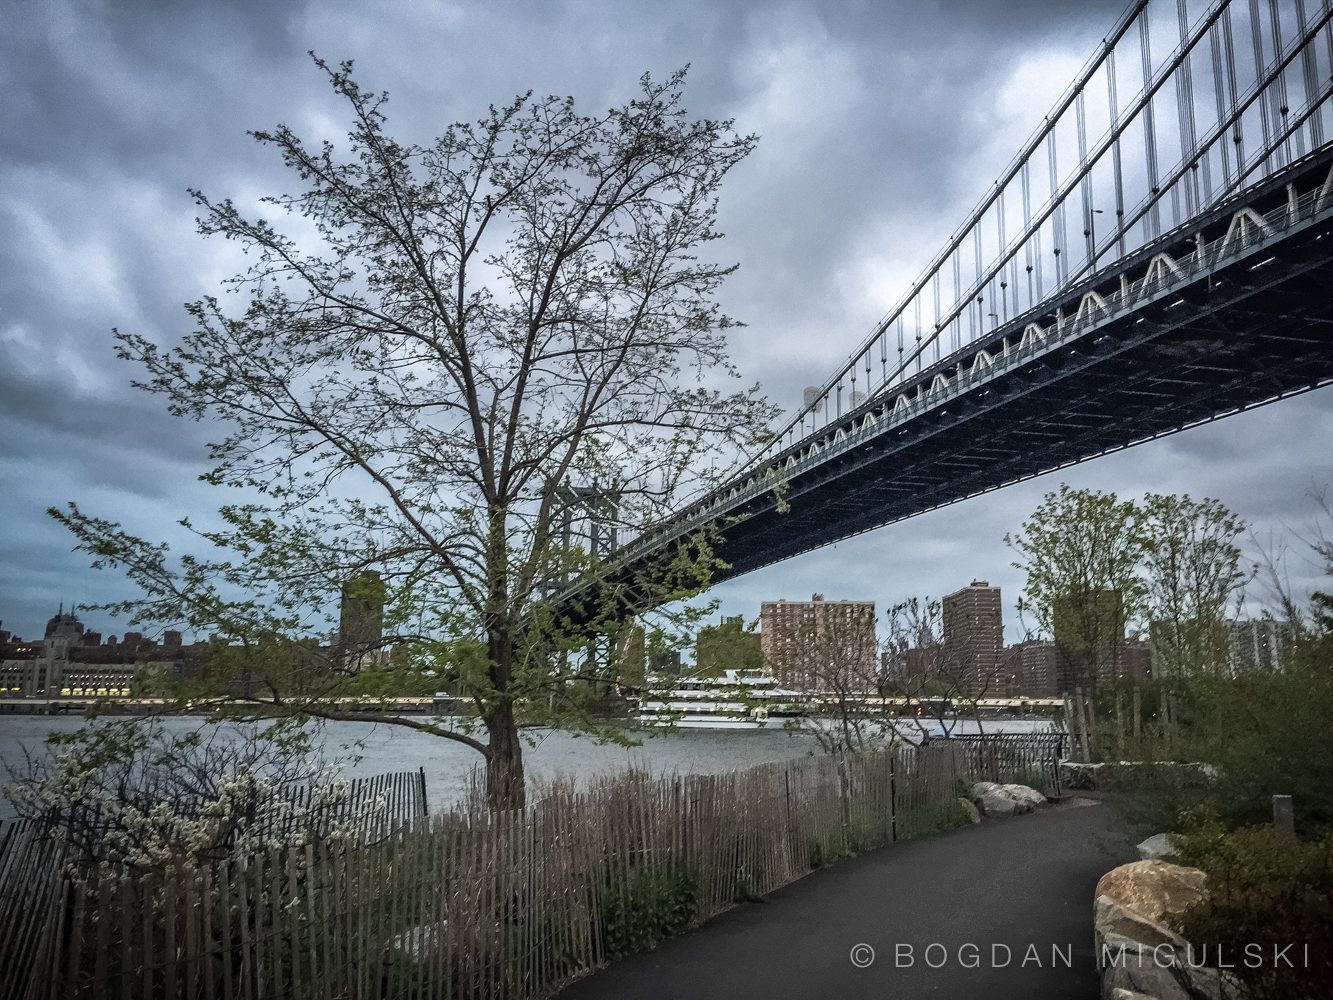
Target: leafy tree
1191	566
729	645
432	343
1080	550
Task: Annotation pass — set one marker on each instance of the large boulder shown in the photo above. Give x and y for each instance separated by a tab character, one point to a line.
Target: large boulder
1158	847
1005	800
1112	918
1133	970
1155	890
1138	948
994	803
1024	795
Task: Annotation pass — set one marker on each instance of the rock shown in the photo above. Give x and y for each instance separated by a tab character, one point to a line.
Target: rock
970	809
1135	971
1005	800
1078	777
996	803
1156	848
1155	890
1121	994
1112	918
1024	795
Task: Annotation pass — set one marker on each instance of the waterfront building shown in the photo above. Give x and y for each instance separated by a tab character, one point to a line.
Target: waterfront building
664	662
72	662
361	620
819	645
1257	644
1032	666
1228	648
973	632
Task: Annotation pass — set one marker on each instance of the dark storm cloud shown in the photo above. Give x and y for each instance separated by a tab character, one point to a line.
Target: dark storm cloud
882	123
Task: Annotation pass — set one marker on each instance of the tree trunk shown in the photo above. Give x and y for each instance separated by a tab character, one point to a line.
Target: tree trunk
1120	722
505	788
504	756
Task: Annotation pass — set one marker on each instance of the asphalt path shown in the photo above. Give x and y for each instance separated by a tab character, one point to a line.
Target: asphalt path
1002	909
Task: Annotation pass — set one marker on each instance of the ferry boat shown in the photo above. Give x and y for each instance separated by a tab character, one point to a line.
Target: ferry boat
738	699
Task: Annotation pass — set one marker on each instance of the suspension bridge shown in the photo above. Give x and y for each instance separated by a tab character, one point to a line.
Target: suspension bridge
1159	254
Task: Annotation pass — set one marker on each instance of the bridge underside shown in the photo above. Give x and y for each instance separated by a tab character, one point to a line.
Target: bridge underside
1246	336
1233	336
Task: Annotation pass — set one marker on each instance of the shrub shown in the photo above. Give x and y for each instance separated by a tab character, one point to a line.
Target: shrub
1265	894
642	906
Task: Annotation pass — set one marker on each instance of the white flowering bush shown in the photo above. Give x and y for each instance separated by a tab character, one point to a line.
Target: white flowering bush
129	792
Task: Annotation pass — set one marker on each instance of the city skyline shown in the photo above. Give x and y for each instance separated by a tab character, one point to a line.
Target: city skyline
847	197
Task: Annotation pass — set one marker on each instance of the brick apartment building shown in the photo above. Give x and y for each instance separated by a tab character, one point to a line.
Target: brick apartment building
819	645
973	627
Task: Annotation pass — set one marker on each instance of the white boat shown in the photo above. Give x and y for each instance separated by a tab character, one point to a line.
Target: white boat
739	699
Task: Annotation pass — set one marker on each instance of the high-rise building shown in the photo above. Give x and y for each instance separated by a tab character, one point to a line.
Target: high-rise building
1032	666
1257	644
819	645
1188	645
973	626
361	617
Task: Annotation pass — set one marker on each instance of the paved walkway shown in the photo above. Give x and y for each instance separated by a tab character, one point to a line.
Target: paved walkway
1012	884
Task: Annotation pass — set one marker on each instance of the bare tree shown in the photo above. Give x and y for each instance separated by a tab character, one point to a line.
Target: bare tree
835	659
456	350
926	674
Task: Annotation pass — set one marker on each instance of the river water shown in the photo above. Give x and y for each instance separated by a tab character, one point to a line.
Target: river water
384	748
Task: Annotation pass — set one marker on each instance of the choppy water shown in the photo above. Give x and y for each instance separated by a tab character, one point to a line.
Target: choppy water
383	748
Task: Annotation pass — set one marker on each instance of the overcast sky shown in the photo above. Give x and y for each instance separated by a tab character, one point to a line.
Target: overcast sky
881	125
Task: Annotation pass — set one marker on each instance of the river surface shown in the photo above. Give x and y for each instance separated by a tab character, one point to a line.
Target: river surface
380	749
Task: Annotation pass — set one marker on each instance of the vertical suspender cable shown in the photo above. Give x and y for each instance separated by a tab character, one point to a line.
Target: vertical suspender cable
1085	185
1233	93
1185	106
1149	129
1257	40
1219	96
1310	79
1058	218
976	253
1032	247
1113	103
1281	108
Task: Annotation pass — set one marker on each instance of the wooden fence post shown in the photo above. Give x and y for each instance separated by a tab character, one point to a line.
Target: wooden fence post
893	795
1284	818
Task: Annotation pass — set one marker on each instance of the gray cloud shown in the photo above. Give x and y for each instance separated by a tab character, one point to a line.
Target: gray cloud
881	123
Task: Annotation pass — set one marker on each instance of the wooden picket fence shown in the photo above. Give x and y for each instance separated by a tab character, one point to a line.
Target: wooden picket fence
464	903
